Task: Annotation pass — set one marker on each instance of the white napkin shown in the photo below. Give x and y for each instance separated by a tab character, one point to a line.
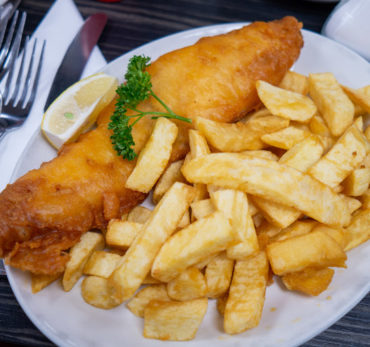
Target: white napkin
58	28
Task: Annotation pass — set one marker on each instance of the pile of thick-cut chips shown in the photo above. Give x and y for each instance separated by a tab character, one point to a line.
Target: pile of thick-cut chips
283	192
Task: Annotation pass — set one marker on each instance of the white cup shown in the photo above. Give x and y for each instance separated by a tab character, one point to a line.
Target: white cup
349	24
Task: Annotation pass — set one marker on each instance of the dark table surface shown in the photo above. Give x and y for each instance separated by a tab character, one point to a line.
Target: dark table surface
132	23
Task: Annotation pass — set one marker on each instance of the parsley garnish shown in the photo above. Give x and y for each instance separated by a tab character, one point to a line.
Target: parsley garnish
137	88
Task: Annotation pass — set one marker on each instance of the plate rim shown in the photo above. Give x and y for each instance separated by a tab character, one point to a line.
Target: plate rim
223	27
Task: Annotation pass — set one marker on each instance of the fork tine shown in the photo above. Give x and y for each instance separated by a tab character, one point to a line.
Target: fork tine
3	25
4	51
29	73
17	88
13	55
35	80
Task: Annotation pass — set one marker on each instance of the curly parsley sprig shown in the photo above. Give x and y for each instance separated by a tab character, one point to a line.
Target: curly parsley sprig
138	87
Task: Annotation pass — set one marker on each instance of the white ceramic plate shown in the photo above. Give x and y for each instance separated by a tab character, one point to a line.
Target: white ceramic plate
288	319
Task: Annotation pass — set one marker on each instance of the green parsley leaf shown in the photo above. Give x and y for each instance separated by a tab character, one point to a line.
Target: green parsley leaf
138	87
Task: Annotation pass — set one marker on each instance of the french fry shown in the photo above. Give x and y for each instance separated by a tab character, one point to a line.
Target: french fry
352	203
201	209
309	281
189	285
301	156
154	157
268	229
358	231
244	305
315	249
285	103
203	263
348	152
191	245
270	180
137	261
101	264
262	154
39	282
218	275
140	301
170	176
139	214
359	123
262	112
367	133
174	321
318	126
333	104
304	154
150	280
277	214
198	144
296	229
237	137
121	234
357	182
285	138
185	220
95	292
295	82
365	199
234	204
78	256
221	304
198	147
359	96
335	233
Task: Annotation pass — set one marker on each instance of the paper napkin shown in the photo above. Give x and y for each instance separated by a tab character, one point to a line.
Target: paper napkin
58	28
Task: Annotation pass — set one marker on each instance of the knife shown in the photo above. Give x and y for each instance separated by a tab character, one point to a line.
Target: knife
77	54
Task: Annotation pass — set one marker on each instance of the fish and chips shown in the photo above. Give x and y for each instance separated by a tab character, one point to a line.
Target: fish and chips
270	178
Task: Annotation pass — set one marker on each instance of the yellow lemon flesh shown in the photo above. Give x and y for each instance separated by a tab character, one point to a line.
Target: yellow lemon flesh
77	108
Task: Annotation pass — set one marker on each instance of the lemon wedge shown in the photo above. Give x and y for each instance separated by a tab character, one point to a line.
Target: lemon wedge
77	108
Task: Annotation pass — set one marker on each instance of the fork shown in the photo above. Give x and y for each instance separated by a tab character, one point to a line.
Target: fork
10	49
16	104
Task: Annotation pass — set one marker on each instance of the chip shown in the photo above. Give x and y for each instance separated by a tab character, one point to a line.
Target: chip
189	246
309	281
137	262
170	176
315	249
286	103
95	292
121	234
101	264
295	82
190	284
271	180
333	104
154	157
246	298
347	153
241	136
174	321
234	204
358	231
78	256
142	298
218	275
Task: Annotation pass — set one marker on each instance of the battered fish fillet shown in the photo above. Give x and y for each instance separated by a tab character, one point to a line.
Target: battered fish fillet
46	211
